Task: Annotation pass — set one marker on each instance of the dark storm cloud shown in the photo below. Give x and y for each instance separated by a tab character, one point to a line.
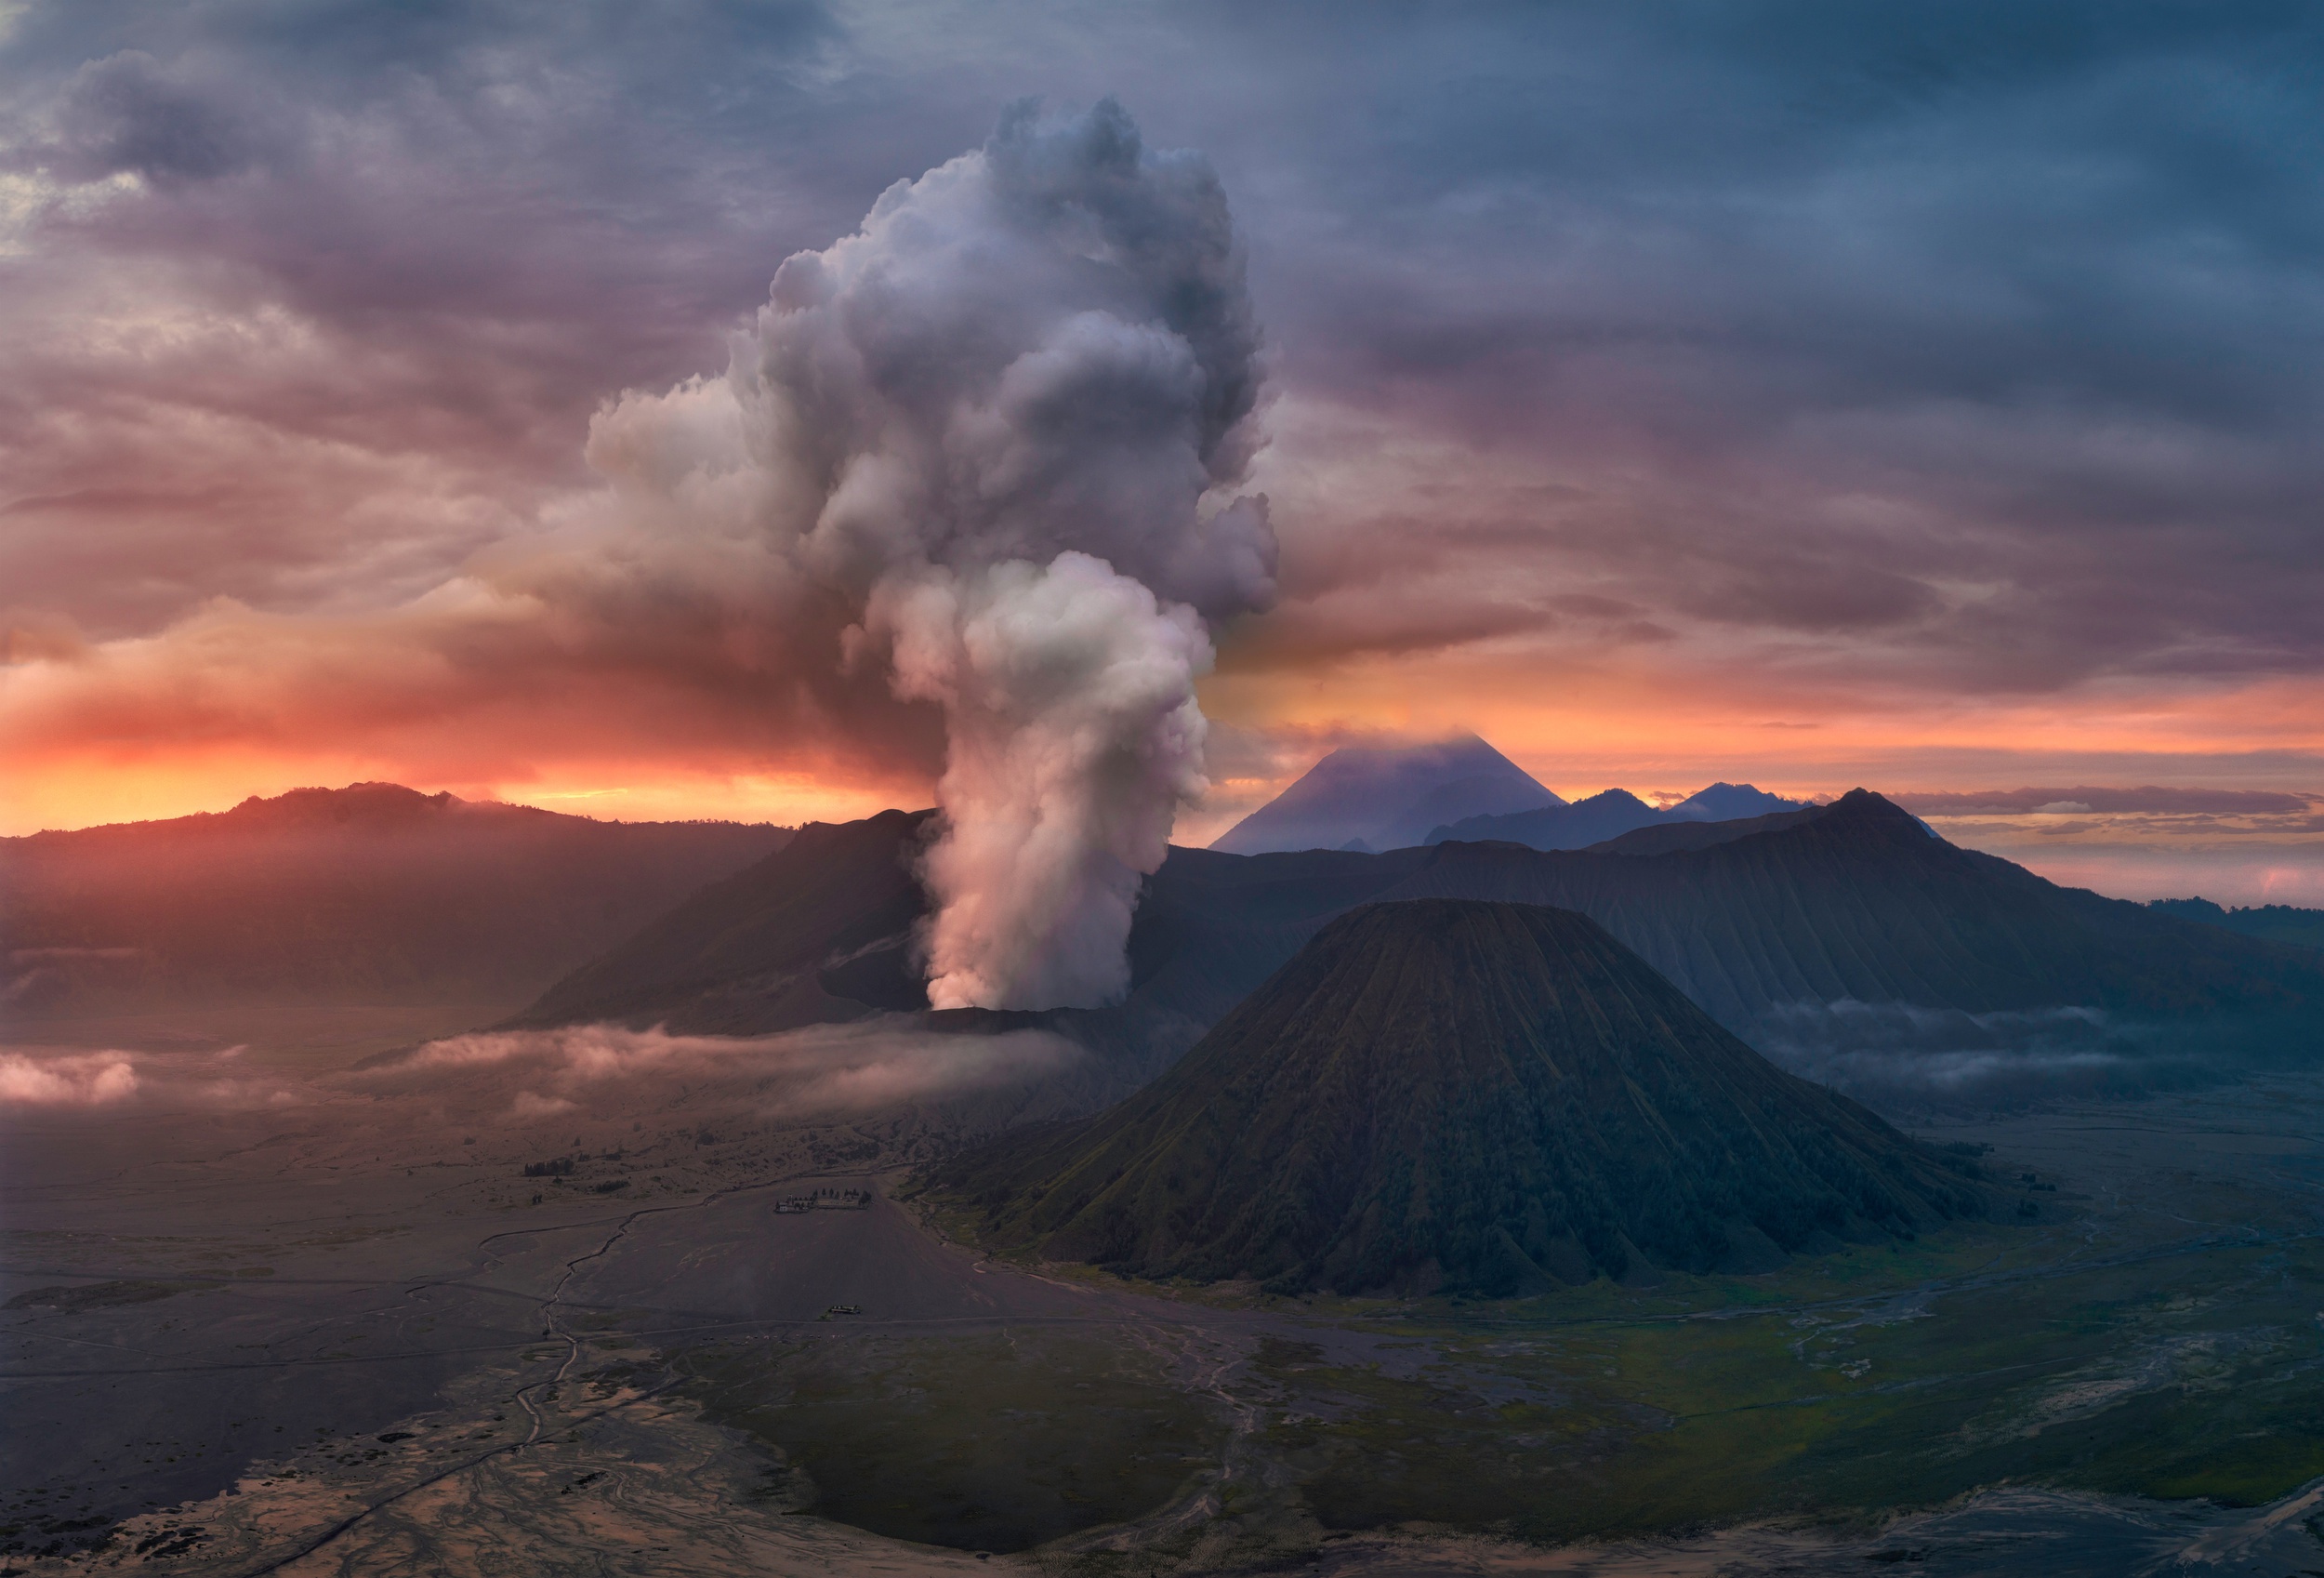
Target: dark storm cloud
2017	305
1948	201
125	113
379	265
1975	344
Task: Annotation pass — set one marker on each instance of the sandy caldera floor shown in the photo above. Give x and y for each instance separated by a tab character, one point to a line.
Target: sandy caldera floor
294	1305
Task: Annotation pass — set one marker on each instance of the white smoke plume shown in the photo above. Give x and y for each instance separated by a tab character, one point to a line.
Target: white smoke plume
1074	738
1001	427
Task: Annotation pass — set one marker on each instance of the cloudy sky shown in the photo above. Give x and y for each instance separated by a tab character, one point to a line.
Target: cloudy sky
1924	396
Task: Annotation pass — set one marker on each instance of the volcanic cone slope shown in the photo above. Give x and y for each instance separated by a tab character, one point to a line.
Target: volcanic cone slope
818	932
1467	1095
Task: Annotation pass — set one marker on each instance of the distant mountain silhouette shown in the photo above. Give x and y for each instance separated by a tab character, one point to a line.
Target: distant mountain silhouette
1386	797
1586	823
1790	931
2276	922
1728	803
1482	1097
1371	798
372	893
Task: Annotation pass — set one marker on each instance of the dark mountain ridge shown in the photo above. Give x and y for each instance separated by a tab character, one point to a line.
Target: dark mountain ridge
1484	1098
819	931
1860	903
1810	933
1669	838
2274	923
372	893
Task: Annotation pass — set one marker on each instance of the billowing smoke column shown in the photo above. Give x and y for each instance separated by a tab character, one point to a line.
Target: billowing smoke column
1073	737
1003	424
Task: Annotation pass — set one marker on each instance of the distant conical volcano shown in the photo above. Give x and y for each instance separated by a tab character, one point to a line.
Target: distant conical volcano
1471	1095
1388	797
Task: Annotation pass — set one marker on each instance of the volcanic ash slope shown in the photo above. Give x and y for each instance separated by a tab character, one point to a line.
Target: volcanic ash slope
1456	1094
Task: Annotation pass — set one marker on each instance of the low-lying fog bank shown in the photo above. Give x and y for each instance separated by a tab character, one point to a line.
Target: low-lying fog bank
514	1080
1908	1060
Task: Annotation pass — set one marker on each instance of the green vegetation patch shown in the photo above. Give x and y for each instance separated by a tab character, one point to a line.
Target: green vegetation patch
2176	1376
1475	1449
994	1442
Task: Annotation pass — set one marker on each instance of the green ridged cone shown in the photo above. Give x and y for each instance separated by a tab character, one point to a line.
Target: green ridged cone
1465	1097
